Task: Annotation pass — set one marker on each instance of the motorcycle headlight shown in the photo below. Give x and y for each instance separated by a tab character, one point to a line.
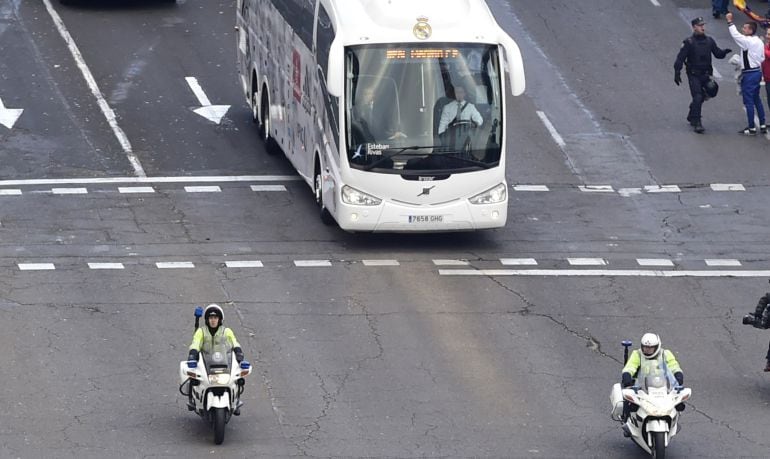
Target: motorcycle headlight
493	195
358	198
219	378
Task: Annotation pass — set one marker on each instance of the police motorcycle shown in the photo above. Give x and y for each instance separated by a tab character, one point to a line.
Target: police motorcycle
653	419
213	385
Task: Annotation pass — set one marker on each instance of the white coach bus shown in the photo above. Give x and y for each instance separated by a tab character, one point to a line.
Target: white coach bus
393	111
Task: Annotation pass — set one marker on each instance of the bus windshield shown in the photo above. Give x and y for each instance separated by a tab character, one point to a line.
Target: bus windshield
419	107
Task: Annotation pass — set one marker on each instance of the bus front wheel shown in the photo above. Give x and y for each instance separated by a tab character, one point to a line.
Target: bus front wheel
326	216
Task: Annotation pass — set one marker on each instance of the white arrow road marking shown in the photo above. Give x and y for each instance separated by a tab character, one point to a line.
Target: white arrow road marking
8	116
212	113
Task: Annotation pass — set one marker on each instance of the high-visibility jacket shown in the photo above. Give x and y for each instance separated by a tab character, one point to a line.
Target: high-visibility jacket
637	363
204	341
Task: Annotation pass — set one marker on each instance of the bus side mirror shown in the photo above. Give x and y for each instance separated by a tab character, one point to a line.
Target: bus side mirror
335	78
514	63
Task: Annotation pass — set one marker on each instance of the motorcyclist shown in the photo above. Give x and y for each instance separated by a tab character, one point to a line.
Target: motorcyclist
213	332
648	359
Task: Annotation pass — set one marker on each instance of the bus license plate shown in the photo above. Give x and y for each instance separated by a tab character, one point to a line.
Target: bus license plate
417	219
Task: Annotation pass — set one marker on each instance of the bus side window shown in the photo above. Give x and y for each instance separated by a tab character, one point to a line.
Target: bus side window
324	38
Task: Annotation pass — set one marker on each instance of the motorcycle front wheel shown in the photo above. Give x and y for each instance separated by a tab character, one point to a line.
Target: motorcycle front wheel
659	445
218	420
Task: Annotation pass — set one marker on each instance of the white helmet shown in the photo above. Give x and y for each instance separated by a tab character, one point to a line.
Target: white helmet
650	345
214	310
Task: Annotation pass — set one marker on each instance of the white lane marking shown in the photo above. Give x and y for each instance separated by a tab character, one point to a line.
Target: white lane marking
9	116
662	189
312	263
727	187
105	266
596	189
381	263
174	264
10	192
551	129
213	113
722	262
530	188
135	189
450	262
654	262
36	266
655	2
97	93
518	261
202	189
268	188
586	261
69	191
111	180
244	264
626	192
601	272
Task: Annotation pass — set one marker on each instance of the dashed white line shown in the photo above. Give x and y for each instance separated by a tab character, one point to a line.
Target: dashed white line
202	189
128	180
530	188
518	261
655	2
596	188
244	264
654	262
69	191
105	266
551	129
586	261
174	265
97	93
36	266
727	187
312	263
10	192
722	262
135	189
381	263
268	188
600	273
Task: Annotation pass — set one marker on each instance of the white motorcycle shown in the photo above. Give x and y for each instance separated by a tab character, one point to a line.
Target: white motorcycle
214	386
656	420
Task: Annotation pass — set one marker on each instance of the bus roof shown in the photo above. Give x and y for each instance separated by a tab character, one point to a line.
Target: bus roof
379	21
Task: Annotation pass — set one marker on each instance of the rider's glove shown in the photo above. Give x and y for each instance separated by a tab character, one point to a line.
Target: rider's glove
627	380
238	354
679	378
677	78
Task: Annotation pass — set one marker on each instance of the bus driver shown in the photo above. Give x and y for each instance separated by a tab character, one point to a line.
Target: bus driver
459	110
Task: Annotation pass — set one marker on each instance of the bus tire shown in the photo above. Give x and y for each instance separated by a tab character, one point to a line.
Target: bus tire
271	147
326	216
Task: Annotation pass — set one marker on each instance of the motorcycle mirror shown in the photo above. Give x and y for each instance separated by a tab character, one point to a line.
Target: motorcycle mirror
192	364
198	311
245	365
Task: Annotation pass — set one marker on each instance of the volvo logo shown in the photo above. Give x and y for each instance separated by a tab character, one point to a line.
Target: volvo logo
426	191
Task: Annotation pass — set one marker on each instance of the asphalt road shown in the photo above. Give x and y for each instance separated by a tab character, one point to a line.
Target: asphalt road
502	343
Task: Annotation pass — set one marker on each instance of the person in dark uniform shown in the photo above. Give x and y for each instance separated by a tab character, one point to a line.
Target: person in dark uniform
695	55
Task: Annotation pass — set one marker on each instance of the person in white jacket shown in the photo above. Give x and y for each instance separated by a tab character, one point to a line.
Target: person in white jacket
752	54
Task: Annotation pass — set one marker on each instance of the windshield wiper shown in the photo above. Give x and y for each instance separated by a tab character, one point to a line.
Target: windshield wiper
396	152
454	155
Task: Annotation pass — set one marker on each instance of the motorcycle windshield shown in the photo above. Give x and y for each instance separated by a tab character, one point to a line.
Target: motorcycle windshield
218	359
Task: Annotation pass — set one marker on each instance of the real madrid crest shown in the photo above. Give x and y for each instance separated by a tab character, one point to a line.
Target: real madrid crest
422	29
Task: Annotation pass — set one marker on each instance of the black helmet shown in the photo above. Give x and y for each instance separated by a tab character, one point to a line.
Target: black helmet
711	88
214	310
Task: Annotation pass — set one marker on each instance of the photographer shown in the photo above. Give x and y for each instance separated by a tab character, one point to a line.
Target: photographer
760	319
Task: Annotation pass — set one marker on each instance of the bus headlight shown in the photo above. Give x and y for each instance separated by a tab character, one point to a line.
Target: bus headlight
491	196
358	198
